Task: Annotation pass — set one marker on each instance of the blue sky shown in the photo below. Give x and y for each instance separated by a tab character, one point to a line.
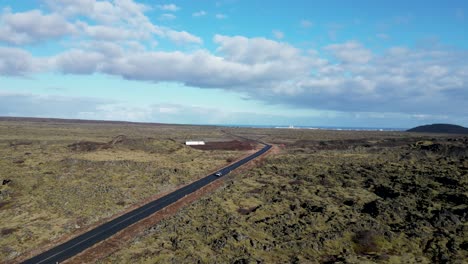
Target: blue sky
315	63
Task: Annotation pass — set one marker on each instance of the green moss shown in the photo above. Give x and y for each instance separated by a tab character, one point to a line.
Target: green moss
311	202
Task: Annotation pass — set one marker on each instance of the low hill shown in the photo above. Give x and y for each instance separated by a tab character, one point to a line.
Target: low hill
440	128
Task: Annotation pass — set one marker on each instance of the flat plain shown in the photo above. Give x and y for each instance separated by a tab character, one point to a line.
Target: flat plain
318	197
60	177
326	197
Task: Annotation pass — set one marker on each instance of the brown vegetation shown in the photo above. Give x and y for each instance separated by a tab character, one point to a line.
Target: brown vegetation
60	178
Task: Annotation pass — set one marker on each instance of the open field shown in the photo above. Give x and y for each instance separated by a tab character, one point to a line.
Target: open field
326	197
58	178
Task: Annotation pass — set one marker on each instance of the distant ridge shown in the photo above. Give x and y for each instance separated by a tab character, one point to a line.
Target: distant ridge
66	120
440	128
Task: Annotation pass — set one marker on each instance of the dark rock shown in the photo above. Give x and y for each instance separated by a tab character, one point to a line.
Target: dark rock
88	146
437	249
386	192
445	219
219	243
247	211
241	261
332	259
312	208
464	245
366	242
432	147
462	212
20	143
294	260
369	183
456	199
6	181
447	181
371	209
7	231
292	207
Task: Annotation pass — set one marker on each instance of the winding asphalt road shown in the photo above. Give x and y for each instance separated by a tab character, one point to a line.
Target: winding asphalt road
104	231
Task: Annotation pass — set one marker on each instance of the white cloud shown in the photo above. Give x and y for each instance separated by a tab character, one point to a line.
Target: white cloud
32	27
120	20
169	7
420	81
72	7
107	12
199	13
183	37
167	17
108	48
79	62
255	63
255	50
221	16
278	34
350	52
109	33
14	61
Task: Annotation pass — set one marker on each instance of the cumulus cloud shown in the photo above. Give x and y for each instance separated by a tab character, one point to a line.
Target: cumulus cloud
255	50
32	26
119	20
400	80
182	37
102	11
199	13
350	52
167	17
417	81
79	62
14	61
241	63
114	38
110	33
169	7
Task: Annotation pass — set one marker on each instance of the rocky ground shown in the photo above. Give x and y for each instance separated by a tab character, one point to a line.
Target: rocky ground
337	197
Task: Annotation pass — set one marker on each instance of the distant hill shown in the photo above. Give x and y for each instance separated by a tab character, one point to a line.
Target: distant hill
440	128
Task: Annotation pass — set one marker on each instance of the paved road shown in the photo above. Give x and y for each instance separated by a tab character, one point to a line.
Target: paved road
100	233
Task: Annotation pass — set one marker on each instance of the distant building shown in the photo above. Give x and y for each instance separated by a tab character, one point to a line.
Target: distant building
194	143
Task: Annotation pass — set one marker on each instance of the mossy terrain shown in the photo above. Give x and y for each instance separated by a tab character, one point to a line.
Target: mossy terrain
57	178
326	197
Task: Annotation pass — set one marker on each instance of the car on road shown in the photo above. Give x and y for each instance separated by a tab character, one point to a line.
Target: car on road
218	174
